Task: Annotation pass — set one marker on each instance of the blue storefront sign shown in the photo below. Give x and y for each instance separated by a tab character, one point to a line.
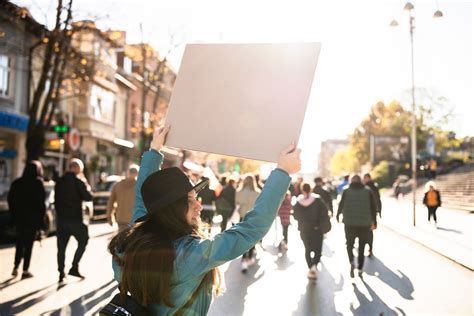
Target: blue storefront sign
13	121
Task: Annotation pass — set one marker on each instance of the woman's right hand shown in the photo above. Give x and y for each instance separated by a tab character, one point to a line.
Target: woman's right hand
289	159
159	137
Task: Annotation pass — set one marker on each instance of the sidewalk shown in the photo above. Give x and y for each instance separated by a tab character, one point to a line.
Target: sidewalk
452	238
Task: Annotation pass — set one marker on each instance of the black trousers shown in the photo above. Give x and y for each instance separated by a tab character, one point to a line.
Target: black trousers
65	230
25	237
285	233
363	234
313	246
432	213
225	218
371	240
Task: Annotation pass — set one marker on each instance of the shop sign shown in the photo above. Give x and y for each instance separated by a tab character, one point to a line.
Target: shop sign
13	121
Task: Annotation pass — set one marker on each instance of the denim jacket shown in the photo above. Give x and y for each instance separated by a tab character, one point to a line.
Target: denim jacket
195	257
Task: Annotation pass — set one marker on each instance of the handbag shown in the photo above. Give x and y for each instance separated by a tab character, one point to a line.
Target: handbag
128	307
325	223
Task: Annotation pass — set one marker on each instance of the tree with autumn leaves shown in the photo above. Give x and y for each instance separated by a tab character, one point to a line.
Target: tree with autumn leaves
393	120
55	70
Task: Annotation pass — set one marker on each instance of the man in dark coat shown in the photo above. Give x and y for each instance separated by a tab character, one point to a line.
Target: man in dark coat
378	202
26	202
359	212
70	191
319	190
225	203
207	197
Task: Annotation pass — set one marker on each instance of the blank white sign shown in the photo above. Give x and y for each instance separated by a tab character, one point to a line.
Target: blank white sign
243	100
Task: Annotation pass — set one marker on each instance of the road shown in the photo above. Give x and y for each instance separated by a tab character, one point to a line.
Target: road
403	278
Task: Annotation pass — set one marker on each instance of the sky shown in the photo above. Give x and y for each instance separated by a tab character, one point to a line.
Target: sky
363	60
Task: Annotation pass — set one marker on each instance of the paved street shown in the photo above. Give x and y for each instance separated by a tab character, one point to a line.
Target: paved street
403	278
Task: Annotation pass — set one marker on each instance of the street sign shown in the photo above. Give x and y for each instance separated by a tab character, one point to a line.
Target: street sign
74	139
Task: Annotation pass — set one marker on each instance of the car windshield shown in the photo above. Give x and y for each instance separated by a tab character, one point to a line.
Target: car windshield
104	186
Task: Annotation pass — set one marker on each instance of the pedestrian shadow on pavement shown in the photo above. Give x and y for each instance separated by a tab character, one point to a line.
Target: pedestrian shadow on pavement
282	261
401	284
320	295
236	287
8	282
450	230
83	304
11	307
371	307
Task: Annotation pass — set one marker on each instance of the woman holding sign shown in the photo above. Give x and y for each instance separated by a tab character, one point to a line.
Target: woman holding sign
162	260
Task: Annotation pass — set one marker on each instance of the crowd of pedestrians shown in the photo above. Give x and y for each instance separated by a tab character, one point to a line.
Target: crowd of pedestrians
165	224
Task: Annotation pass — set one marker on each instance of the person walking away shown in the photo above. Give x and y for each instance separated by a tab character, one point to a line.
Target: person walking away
310	211
357	206
374	187
284	213
432	200
162	261
325	195
26	202
207	197
122	198
225	203
245	199
342	185
433	165
70	191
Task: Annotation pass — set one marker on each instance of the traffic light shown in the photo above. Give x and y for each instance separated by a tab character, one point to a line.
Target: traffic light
61	130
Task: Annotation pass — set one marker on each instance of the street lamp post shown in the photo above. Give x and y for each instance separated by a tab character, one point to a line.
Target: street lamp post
410	8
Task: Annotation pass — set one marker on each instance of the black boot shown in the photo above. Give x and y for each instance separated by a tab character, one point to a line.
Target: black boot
75	272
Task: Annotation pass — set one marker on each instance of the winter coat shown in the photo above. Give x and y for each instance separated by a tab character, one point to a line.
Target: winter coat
245	199
70	192
26	199
319	190
285	210
310	212
357	206
226	200
195	257
123	193
375	190
438	198
208	197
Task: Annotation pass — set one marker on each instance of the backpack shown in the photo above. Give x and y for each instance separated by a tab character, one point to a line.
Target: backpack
324	221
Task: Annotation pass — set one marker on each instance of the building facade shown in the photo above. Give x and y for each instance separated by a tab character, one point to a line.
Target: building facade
328	149
18	33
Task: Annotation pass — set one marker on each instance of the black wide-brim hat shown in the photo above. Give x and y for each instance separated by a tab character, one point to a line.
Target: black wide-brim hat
165	187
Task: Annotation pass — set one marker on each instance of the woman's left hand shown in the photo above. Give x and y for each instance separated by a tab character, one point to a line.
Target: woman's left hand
159	137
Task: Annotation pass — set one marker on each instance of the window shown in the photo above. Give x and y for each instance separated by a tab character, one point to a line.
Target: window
102	104
5	76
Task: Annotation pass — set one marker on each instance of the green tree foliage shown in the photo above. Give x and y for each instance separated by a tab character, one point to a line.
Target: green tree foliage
381	174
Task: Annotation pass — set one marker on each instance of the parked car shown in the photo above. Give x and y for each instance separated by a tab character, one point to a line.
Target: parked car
101	196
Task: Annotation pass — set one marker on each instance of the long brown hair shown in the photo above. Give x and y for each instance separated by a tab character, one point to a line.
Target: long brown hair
146	254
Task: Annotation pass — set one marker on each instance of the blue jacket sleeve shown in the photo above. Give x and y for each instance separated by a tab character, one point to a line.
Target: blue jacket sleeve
151	162
197	256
